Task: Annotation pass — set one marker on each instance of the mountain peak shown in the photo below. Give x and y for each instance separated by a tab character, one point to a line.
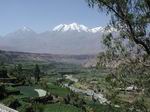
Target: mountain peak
22	32
70	27
74	24
26	29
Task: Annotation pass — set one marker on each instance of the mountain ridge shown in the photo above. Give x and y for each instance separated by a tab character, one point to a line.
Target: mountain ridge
73	26
77	39
81	28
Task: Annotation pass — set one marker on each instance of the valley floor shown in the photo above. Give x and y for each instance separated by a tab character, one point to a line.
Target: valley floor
62	88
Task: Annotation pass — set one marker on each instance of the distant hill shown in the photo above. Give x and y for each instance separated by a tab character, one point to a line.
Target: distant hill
10	56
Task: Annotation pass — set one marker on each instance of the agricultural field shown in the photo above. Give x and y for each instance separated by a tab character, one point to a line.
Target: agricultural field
63	94
22	95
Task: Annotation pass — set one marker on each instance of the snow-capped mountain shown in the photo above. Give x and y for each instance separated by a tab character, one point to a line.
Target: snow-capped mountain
71	27
76	27
97	29
62	39
80	28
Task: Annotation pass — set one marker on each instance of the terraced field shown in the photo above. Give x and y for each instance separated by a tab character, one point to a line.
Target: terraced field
57	90
28	91
61	108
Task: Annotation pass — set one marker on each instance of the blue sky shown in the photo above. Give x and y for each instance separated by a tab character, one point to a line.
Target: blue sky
42	15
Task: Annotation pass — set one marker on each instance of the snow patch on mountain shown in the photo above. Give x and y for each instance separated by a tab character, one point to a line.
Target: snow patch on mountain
97	29
80	28
70	27
26	29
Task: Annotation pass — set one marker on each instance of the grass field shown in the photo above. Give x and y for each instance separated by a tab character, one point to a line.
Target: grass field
61	108
57	90
28	91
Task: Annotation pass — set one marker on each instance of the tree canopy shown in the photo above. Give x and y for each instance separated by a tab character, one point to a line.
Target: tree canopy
37	72
130	17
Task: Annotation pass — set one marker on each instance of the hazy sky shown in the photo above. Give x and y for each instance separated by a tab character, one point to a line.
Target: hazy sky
41	15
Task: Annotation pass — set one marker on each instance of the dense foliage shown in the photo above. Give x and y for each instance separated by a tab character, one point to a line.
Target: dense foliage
130	17
127	54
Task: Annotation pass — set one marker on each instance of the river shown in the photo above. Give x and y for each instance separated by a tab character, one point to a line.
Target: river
97	96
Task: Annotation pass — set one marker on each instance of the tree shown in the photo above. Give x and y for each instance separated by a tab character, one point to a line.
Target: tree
14	104
3	92
130	17
37	73
19	69
3	71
